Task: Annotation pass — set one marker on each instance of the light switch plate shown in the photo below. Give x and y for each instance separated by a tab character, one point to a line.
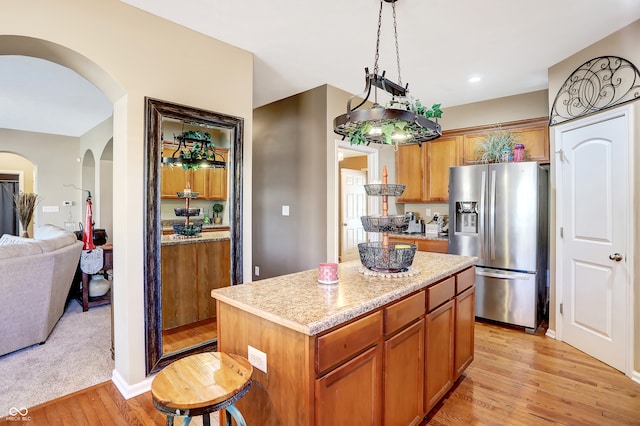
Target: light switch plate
50	209
285	210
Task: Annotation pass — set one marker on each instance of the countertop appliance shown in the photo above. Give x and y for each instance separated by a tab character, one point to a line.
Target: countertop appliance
499	213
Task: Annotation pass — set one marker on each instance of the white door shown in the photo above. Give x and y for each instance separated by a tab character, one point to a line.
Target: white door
353	205
592	250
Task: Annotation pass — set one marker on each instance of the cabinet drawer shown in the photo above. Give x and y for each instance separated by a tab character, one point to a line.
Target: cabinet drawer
341	344
439	293
465	279
403	312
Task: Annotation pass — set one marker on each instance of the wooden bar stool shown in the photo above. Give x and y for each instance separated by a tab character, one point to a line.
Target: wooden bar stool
201	384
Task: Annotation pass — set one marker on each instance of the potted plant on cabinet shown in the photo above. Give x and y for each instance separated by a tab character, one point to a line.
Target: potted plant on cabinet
491	147
217	209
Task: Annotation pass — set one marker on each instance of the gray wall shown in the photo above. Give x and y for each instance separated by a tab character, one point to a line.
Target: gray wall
289	168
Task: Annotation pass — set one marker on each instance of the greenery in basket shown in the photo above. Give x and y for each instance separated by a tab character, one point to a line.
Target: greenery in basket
358	135
489	148
217	209
199	150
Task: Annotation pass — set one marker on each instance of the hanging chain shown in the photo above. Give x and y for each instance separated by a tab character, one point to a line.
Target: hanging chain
395	30
375	64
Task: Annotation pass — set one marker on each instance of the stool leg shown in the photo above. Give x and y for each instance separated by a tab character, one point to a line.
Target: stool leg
186	421
206	420
169	420
237	416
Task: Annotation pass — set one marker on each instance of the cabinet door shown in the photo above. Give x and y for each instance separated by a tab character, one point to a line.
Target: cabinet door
214	271
535	140
404	376
442	153
173	180
217	184
410	166
351	394
465	322
199	181
437	246
178	275
536	143
439	340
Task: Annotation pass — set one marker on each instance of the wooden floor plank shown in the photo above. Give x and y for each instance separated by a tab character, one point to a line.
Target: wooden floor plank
516	379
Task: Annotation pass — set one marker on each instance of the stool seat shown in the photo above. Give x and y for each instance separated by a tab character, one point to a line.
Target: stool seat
200	384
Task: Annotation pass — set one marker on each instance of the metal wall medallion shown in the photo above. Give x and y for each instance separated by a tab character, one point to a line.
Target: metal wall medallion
596	85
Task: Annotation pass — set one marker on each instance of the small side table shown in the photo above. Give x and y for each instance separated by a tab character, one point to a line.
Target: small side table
201	384
107	251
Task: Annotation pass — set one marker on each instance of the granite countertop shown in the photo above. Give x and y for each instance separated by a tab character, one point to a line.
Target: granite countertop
439	237
298	302
204	237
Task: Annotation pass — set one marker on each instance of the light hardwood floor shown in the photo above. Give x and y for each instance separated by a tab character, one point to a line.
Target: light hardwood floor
515	379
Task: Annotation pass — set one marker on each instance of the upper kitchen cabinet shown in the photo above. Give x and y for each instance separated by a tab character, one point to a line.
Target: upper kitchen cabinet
410	171
210	183
533	134
425	170
442	153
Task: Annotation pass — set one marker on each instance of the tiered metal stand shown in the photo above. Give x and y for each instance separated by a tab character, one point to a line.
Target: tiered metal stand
384	256
187	229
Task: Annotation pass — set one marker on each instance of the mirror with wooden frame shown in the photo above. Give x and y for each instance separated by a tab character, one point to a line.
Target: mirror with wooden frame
193	162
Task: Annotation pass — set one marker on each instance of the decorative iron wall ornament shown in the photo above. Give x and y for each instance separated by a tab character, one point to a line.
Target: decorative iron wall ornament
596	85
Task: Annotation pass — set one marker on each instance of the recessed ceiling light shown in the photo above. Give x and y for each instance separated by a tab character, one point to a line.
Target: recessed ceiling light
474	79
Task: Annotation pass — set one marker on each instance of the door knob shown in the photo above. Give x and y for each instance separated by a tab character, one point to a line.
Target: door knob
615	256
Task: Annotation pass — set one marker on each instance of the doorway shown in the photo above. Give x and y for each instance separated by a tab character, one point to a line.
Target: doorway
372	172
9	187
594	242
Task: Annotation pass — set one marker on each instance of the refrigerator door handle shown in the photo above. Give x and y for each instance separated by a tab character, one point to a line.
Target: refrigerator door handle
482	212
502	275
492	215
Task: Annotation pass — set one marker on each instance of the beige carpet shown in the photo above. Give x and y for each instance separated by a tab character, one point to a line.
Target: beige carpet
76	355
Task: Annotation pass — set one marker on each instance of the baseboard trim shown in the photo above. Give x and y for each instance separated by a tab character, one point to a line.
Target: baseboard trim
129	391
635	376
551	334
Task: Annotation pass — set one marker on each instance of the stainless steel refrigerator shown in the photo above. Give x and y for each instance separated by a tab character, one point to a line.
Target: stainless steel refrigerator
499	213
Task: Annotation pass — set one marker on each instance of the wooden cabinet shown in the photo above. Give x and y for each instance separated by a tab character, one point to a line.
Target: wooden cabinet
465	321
410	168
425	170
442	153
404	361
387	367
210	183
439	341
440	245
353	389
351	392
189	271
404	375
535	139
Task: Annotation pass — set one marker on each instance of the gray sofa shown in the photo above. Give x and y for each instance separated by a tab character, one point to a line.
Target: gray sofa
35	278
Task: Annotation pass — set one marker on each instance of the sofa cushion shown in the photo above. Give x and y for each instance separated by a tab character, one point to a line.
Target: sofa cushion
12	251
7	239
51	237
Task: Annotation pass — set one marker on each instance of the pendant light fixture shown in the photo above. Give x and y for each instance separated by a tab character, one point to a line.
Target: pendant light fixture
403	120
195	150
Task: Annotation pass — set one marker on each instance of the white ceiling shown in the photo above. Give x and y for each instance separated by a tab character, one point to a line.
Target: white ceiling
299	45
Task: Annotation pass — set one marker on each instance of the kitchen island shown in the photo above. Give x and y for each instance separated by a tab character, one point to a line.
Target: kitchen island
368	350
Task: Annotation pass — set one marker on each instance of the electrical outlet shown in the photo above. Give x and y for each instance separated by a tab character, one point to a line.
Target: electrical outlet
256	271
257	358
428	212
